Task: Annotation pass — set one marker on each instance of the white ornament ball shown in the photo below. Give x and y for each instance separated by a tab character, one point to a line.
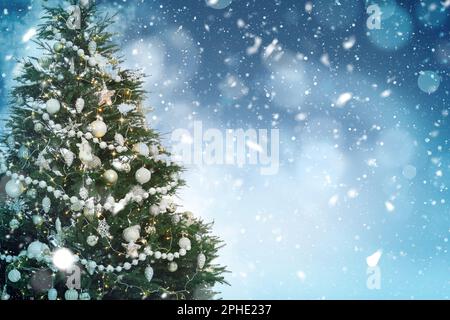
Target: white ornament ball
149	273
36	250
37	220
14	275
142	149
38	127
53	106
173	266
110	176
71	294
92	240
143	175
98	128
184	243
132	234
14	188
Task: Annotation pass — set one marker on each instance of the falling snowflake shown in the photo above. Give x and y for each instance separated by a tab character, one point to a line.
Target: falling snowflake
103	229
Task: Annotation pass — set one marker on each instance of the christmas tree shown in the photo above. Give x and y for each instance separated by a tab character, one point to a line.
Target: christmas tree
88	208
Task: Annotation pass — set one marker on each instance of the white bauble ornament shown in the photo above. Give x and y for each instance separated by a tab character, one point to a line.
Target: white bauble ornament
85	296
37	220
143	175
184	243
142	149
201	260
68	156
110	176
52	294
149	273
79	105
154	210
46	204
38	127
36	250
92	240
132	234
53	106
14	275
71	294
173	266
98	128
14	188
58	46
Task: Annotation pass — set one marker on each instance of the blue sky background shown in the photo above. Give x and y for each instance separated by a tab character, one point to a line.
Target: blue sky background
356	176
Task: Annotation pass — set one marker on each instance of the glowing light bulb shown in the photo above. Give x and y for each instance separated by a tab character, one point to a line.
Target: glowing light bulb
63	259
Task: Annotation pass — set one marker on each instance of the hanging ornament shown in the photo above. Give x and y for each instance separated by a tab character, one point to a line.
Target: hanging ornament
58	47
92	240
85	296
110	176
37	250
173	266
85	151
14	275
201	260
71	294
143	175
149	273
132	234
68	156
121	166
103	229
14	224
23	152
38	127
84	193
132	249
52	294
105	96
14	188
119	139
46	204
79	105
90	267
142	149
98	128
52	106
184	243
37	220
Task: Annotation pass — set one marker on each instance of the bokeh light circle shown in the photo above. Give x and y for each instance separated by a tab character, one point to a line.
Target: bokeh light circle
428	81
218	4
396	29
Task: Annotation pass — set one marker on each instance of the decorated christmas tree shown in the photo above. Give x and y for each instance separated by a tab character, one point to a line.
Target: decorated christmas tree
87	205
